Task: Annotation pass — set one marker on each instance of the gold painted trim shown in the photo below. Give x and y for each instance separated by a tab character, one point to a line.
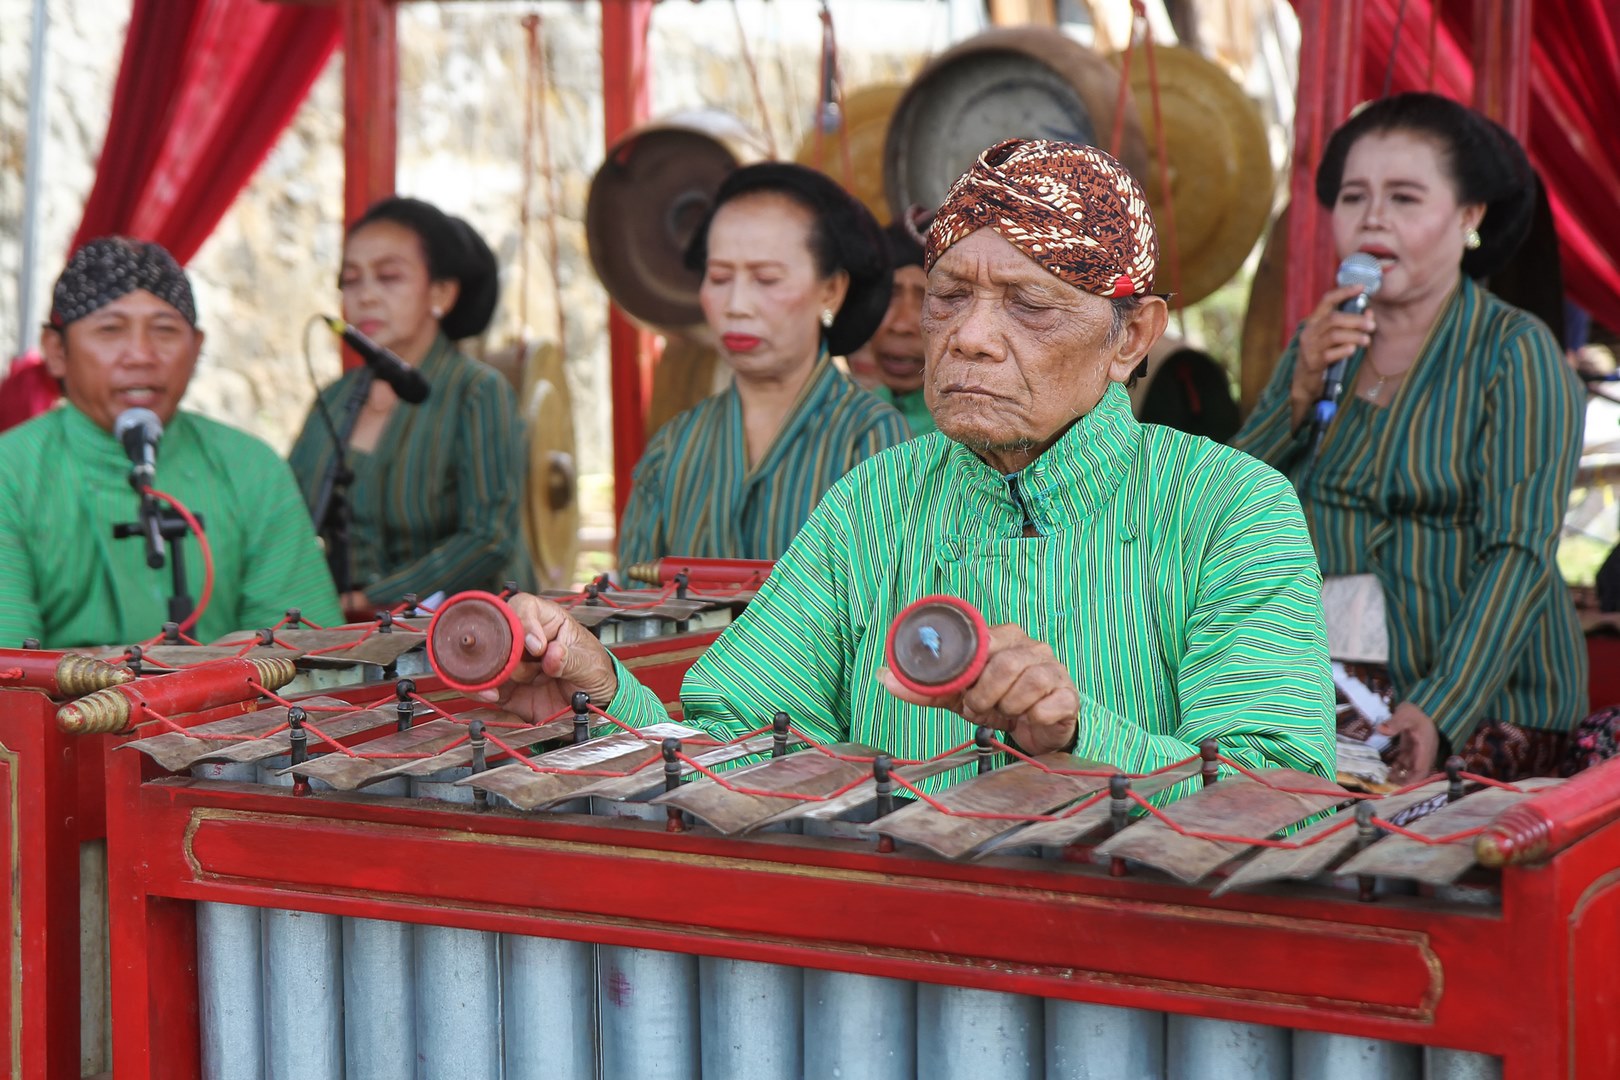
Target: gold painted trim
1418	940
1590	893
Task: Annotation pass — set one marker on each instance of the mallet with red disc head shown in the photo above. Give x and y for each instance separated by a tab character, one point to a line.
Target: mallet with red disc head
938	646
474	642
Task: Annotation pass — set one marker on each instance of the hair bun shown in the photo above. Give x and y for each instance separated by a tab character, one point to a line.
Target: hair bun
844	236
454	252
1485	163
479	276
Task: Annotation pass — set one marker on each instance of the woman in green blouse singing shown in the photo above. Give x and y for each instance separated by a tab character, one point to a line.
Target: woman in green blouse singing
436	489
1443	479
795	271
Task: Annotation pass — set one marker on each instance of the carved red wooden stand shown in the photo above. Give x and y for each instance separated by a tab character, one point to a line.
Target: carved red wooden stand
1527	981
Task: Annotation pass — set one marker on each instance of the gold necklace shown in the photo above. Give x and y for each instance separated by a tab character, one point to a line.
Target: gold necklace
1375	392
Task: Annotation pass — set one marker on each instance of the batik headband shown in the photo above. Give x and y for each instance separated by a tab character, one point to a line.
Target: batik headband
1072	209
110	267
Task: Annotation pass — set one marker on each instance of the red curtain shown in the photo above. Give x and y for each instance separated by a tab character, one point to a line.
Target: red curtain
1574	96
204	90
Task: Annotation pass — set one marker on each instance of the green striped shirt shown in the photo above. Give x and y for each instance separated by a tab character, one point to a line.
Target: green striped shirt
912	405
1173	578
437	502
695	493
66	581
1454	496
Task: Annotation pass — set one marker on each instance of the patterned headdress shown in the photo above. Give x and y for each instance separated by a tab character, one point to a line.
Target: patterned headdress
1071	208
113	266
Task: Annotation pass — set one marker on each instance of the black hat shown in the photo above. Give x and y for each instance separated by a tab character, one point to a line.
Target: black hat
113	266
455	252
845	236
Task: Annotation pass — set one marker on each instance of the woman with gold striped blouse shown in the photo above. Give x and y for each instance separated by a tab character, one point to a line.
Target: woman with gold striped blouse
1446	472
436	489
794	272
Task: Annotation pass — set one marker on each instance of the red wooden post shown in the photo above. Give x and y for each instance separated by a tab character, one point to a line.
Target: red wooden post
370	103
154	955
1329	83
1502	63
625	103
39	904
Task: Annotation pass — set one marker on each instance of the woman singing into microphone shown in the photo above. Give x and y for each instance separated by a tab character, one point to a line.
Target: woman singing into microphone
1442	482
436	486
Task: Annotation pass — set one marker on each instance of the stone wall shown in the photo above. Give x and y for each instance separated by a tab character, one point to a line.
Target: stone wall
272	262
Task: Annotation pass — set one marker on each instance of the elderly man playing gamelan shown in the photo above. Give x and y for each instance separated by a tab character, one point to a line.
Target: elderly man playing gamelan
1147	589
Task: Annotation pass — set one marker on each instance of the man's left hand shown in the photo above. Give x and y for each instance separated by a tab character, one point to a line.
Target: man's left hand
1024	690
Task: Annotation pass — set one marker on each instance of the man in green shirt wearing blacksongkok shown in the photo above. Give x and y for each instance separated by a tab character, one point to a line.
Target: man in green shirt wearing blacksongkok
1147	589
123	335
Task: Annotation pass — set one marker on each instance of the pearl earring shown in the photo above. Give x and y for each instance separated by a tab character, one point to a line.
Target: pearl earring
437	313
826	318
1471	240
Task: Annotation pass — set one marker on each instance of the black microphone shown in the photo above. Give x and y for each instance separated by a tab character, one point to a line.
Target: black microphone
140	431
1358	268
407	382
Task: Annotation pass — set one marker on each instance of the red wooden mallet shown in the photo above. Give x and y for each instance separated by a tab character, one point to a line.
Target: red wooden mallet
938	646
474	642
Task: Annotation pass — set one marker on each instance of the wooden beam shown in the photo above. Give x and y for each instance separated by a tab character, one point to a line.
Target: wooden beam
1502	63
370	103
626	96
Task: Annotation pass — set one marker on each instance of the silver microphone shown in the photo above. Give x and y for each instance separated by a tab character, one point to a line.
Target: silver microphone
1358	268
140	431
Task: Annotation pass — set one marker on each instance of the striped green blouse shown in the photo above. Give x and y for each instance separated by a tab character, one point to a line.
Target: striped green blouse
1454	496
66	581
436	503
1172	576
696	495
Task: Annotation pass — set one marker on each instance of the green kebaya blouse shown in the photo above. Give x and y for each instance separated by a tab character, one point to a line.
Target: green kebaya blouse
696	494
1454	497
66	581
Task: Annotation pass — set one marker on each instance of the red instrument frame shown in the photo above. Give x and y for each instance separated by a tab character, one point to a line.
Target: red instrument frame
53	798
1419	970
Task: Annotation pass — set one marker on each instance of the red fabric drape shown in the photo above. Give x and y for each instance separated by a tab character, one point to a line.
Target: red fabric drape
26	391
1575	93
204	90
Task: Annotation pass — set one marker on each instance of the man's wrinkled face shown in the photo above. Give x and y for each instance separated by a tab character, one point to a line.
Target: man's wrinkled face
137	351
1014	354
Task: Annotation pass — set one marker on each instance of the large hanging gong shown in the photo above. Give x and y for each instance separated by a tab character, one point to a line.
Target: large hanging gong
1219	169
864	126
1018	82
551	497
647	200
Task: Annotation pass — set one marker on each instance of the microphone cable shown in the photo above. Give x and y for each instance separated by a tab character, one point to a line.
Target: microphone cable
207	555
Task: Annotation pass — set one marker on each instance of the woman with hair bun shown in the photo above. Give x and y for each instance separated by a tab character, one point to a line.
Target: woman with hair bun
437	486
1443	479
795	271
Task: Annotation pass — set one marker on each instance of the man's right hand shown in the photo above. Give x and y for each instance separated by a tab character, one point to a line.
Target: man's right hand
560	658
1329	335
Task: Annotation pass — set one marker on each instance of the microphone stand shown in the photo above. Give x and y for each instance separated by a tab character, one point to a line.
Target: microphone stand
158	526
332	513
